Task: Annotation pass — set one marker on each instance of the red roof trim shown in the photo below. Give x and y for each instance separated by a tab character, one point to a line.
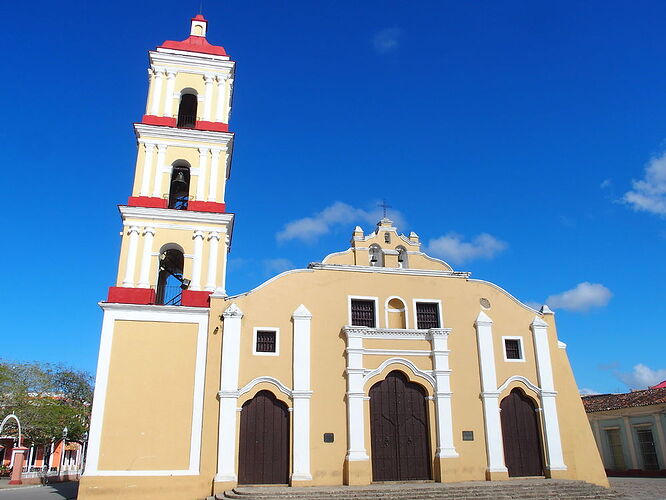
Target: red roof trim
195	44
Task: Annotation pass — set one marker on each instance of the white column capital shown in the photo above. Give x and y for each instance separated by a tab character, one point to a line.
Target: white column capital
209	78
233	311
204	151
159	72
214	235
221	79
216	151
150	146
133	229
161	148
483	319
198	234
301	312
148	230
171	74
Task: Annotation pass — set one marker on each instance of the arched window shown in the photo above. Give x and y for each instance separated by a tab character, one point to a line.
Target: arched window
376	256
187	109
170	281
179	187
396	313
402	258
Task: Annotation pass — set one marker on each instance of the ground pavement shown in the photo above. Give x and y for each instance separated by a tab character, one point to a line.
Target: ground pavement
640	488
57	491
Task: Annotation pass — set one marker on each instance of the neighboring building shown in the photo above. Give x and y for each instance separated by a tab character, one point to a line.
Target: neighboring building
58	458
379	363
629	430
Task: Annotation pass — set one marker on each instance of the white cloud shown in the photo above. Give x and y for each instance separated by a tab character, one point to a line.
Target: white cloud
588	392
387	40
308	229
606	183
649	193
641	377
277	265
452	248
583	297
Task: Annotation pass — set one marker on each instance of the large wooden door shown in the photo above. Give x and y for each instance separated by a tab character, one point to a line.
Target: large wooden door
521	435
264	441
399	429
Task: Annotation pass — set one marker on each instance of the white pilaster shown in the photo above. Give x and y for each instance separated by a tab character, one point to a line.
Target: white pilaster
439	338
147	169
221	290
227	100
489	394
355	396
213	247
554	455
168	99
214	167
144	277
130	265
208	97
161	157
226	450
197	263
221	98
201	181
226	158
157	92
301	394
629	432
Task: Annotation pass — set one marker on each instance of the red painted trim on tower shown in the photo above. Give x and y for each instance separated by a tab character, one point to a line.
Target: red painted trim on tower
195	44
158	120
195	298
122	295
213	126
207	206
147	201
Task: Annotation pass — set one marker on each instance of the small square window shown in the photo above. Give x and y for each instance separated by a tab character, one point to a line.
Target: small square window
427	315
266	341
512	348
363	312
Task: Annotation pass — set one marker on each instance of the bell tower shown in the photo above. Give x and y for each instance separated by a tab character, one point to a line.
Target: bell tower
176	229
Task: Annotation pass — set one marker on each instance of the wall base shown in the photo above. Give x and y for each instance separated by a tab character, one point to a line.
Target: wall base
497	475
357	473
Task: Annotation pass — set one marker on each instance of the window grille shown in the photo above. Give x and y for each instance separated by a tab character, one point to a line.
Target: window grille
265	341
512	348
363	313
427	315
648	450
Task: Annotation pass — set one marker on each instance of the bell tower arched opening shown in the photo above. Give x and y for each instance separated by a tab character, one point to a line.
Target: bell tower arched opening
187	109
170	281
179	187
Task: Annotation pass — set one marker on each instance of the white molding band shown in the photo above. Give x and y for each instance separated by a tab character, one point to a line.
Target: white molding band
132	312
554	455
302	319
489	394
226	450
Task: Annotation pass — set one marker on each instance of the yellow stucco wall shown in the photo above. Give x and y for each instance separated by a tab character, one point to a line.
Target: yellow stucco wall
148	411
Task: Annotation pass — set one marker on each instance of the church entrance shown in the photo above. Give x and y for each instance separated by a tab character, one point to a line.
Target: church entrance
264	441
521	435
399	429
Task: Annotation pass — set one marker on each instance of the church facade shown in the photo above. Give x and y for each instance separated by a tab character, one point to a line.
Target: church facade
380	363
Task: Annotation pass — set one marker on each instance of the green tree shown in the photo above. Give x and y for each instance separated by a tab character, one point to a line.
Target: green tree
46	398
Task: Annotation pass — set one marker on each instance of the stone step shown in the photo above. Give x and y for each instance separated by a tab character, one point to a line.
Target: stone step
528	489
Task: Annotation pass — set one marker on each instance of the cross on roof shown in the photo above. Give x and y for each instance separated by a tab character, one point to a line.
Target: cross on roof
384	206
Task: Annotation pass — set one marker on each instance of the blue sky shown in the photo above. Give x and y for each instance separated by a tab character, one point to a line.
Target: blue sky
523	141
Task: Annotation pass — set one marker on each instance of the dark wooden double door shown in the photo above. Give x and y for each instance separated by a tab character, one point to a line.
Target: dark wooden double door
264	441
521	435
399	430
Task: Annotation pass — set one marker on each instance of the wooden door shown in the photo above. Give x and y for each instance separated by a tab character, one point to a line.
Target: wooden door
399	429
521	435
264	441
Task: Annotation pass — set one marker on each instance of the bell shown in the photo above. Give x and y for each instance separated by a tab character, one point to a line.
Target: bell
179	182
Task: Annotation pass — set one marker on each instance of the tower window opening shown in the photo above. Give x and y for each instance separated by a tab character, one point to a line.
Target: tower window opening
376	256
170	281
179	188
187	111
402	258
